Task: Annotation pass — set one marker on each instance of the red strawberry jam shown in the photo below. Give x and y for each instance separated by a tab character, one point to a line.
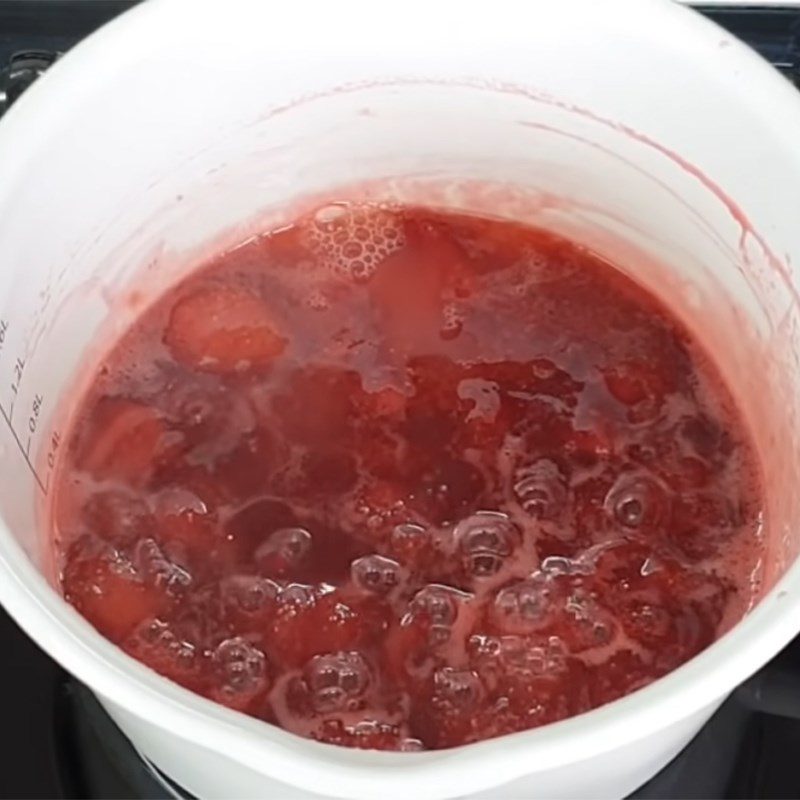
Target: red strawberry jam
396	478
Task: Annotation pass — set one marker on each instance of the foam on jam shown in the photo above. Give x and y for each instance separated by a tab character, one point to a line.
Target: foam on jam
397	478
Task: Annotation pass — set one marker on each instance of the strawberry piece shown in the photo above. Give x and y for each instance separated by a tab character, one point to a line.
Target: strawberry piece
560	692
674	631
125	441
660	604
222	329
468	710
161	647
240	674
106	589
308	623
557	604
446	712
248	602
189	529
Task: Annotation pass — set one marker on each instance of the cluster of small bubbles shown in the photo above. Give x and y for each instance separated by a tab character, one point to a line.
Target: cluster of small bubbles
337	681
290	545
482	646
351	240
540	489
437	606
452	321
376	573
457	690
251	593
242	668
555	654
151	562
328	215
518	654
158	635
650	618
317	300
370	731
485	540
523	606
508	653
374	512
592	625
120	564
636	500
298	595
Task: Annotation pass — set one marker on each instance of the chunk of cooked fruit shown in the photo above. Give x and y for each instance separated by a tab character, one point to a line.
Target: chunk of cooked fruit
124	441
222	329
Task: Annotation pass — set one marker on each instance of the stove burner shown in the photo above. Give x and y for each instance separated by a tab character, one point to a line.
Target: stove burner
95	759
23	69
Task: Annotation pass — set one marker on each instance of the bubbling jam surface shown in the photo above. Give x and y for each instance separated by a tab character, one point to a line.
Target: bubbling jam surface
397	478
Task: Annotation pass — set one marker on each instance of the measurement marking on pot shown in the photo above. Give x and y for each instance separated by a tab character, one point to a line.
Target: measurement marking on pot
33	419
19	370
25	449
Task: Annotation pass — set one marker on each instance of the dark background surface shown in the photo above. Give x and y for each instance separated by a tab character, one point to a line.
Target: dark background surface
30	683
52	24
51	748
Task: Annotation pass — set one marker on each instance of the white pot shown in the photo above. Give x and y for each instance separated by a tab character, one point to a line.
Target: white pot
632	124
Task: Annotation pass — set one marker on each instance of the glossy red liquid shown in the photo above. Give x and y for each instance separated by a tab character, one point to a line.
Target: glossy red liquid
393	478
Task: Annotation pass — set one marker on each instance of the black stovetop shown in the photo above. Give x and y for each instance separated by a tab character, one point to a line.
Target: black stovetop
59	743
